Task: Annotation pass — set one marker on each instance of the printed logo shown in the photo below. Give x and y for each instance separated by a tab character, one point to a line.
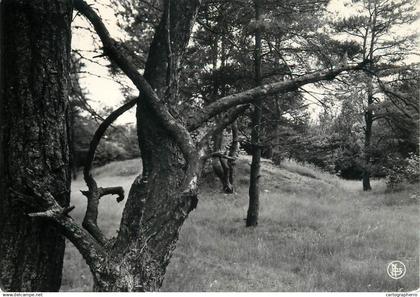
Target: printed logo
396	269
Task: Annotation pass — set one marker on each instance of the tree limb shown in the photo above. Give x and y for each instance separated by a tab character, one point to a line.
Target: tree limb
92	252
94	193
101	131
251	95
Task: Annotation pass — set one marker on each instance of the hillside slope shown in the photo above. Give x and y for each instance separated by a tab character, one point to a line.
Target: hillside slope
316	233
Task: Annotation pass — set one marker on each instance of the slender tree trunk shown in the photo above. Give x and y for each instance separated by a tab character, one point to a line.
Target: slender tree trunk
73	164
33	138
254	181
368	137
369	112
277	153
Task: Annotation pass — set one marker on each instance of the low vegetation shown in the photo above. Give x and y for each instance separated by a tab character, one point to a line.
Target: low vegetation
316	232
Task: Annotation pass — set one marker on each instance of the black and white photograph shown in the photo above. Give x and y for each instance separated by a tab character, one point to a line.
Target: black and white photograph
209	146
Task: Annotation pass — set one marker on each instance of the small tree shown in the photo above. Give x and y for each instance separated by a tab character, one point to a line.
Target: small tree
376	25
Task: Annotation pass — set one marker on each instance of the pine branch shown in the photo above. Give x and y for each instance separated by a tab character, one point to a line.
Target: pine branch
254	94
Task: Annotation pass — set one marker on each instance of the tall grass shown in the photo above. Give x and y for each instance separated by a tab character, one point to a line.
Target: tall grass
316	233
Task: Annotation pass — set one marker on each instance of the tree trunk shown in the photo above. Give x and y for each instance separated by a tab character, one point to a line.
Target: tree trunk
224	168
368	137
254	181
233	152
161	198
34	136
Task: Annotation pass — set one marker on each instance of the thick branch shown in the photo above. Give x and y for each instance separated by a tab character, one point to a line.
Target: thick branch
251	95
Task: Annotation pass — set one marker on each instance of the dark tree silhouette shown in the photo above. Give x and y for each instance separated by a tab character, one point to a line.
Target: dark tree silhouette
254	179
34	139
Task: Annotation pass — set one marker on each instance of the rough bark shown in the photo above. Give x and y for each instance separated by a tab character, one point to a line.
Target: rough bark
33	138
160	200
254	179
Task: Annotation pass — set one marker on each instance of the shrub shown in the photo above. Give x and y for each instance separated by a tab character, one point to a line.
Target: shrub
403	171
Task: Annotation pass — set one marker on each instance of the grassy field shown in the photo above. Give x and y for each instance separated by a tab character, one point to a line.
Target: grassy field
316	233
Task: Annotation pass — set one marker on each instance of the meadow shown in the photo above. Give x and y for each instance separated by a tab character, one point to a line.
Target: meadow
316	232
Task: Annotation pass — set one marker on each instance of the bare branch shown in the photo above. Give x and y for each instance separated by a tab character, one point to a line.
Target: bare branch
101	130
251	95
94	193
91	251
113	191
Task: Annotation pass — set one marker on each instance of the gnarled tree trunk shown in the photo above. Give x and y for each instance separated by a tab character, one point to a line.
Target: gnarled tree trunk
33	138
224	167
160	199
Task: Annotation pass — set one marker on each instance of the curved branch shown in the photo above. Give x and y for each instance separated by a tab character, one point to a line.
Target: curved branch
93	195
251	95
101	131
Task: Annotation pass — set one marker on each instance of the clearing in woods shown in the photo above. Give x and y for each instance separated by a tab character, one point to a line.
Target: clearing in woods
316	233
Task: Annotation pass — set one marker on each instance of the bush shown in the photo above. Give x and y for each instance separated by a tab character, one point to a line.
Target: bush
109	151
404	171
